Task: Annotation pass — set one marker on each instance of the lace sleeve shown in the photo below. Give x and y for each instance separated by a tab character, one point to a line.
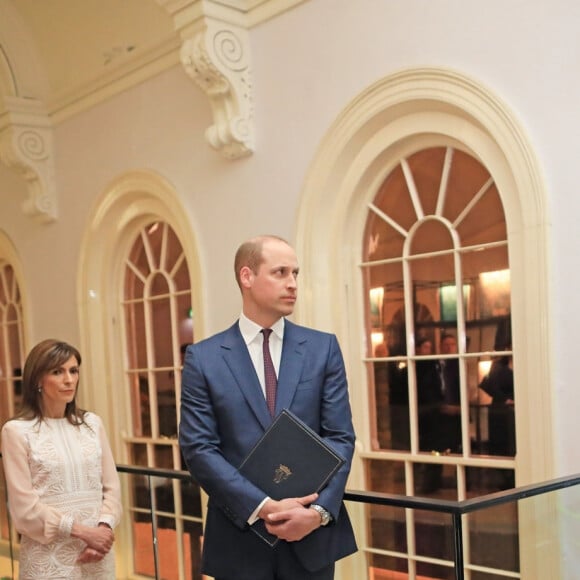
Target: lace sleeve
31	517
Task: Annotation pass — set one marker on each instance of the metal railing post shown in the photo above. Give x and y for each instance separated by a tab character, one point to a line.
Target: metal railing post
458	545
153	504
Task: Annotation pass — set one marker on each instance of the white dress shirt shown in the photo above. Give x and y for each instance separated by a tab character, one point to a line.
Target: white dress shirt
254	339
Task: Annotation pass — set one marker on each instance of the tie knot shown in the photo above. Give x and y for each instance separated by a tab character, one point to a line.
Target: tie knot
266	332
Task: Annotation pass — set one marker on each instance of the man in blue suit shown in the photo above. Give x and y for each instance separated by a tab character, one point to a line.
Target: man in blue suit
224	413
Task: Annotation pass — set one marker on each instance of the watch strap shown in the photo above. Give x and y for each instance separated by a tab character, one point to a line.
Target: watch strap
325	516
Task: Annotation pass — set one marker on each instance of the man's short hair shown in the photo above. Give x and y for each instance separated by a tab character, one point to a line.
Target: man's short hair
250	254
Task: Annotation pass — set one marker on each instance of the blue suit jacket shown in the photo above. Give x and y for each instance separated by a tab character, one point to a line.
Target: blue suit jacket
224	413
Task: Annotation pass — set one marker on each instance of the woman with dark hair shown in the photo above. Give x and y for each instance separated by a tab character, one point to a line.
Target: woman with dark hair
63	486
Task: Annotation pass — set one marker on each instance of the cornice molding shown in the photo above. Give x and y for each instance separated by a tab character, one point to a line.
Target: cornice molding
64	105
26	145
244	13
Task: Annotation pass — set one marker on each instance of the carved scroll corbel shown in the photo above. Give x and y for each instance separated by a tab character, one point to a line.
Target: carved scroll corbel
28	149
217	59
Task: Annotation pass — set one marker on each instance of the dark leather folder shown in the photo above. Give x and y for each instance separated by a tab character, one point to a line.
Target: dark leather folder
289	460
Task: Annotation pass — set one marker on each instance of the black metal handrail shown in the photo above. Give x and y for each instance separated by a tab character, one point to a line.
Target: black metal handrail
455	508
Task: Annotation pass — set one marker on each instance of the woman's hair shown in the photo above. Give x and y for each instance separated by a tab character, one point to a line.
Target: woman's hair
45	357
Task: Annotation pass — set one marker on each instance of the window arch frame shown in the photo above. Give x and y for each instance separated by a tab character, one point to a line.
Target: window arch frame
410	110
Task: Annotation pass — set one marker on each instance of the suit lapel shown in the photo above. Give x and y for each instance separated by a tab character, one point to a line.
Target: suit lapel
237	357
291	365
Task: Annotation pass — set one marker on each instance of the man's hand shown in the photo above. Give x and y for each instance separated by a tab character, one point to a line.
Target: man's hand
272	506
290	519
293	524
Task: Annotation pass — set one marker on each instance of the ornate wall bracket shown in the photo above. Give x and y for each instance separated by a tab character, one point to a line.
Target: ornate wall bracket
26	145
217	59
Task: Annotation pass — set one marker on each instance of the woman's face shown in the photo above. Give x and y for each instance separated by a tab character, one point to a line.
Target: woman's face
59	387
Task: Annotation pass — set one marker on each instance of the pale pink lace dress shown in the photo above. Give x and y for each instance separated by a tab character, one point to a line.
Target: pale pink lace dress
57	473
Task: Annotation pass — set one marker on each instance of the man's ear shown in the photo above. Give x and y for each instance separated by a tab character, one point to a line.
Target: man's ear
246	277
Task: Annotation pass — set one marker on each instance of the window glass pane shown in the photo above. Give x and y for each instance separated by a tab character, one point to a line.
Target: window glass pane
140	256
467	178
134	281
135	335
181	275
162	331
168	542
388	530
493	537
140	403
190	498
173	251
485	224
426	167
433	539
166	403
391	405
431	236
138	454
12	314
387	567
159	285
153	237
394	201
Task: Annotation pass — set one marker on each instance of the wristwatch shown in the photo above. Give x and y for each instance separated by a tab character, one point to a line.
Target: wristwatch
325	516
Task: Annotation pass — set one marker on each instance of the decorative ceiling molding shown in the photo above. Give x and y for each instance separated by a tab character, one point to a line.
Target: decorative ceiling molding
216	55
217	59
26	145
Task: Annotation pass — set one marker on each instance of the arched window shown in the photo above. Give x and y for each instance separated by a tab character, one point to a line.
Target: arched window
11	342
430	189
12	354
159	326
158	323
137	270
436	273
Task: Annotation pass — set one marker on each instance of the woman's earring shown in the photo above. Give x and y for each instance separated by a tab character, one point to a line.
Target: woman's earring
40	389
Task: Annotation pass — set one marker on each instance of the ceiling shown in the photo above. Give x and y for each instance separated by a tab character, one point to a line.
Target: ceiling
59	58
80	47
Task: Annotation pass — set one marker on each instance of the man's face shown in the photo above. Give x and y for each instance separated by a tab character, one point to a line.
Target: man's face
449	345
270	293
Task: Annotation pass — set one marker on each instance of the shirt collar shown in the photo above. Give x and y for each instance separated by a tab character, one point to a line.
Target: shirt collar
250	329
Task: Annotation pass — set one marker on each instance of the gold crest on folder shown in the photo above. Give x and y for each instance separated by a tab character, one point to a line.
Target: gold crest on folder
281	473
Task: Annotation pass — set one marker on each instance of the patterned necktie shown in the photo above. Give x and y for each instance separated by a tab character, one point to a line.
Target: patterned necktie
269	372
